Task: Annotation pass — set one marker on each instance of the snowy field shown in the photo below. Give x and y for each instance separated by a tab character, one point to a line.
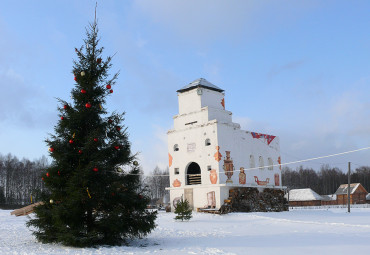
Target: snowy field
332	231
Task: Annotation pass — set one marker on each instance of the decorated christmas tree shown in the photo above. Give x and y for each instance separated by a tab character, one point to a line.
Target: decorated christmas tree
93	194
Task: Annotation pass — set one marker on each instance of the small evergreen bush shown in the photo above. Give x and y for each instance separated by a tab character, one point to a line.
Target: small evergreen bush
183	210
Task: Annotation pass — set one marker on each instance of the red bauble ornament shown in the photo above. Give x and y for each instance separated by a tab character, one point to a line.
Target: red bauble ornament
118	128
51	149
65	106
95	139
80	152
58	172
43	179
110	121
116	147
62	118
113	194
140	196
95	169
111	91
109	86
88	105
75	78
71	141
83	91
47	175
98	60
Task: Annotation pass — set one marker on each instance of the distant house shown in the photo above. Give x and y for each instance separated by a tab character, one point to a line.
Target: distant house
329	199
357	194
303	197
308	197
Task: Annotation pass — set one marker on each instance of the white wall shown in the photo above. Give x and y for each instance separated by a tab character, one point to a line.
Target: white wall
241	145
215	123
202	155
189	101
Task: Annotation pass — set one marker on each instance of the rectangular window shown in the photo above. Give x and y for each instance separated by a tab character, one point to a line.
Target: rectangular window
177	171
209	168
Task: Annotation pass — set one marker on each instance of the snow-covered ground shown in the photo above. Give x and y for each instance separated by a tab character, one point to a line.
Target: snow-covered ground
332	231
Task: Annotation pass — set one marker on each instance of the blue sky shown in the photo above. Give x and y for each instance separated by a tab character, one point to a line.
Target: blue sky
296	69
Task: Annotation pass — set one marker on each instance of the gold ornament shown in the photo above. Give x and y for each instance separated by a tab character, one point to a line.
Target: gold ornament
135	163
88	193
51	201
74	134
82	73
101	108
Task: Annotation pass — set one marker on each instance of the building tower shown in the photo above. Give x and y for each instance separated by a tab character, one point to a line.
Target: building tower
209	154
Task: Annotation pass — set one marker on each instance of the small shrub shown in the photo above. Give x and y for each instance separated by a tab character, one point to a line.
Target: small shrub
183	210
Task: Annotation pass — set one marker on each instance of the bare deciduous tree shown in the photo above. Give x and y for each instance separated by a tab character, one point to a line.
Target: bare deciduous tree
326	181
157	181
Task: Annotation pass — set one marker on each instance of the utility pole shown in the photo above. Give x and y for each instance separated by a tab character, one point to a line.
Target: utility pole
349	187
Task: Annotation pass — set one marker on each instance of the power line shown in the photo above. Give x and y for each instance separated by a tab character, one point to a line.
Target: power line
309	159
283	164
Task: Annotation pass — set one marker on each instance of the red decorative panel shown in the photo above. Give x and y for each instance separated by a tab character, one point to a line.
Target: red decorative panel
169	160
242	176
261	183
176	183
277	180
218	155
268	138
228	167
213	176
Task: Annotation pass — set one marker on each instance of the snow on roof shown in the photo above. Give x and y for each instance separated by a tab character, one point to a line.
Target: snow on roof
343	189
329	197
368	196
201	82
303	195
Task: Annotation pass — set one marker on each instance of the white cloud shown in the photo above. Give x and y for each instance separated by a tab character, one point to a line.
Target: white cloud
20	103
203	21
340	122
285	67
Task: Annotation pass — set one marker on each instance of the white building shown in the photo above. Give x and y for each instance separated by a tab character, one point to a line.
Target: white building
209	154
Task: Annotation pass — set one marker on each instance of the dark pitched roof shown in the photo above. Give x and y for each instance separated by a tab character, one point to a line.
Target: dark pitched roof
343	189
200	83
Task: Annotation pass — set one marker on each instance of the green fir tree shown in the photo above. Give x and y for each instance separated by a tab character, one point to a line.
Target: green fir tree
183	210
89	200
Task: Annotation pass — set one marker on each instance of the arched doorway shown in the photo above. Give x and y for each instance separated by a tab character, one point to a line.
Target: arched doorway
193	174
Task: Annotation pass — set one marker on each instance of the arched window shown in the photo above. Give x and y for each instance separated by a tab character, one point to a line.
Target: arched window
193	174
176	147
207	142
270	167
261	164
252	164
